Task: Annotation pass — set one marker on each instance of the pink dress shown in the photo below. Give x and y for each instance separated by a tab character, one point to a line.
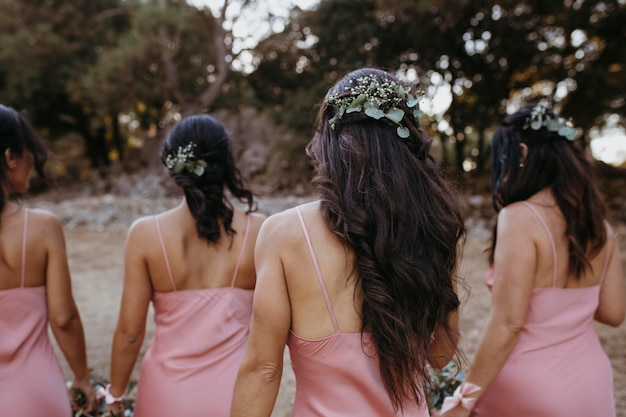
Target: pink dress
339	375
31	381
558	367
199	341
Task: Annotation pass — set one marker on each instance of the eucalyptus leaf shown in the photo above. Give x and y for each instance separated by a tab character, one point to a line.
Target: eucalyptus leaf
412	101
553	125
567	132
403	132
353	109
199	170
360	99
374	113
395	115
535	124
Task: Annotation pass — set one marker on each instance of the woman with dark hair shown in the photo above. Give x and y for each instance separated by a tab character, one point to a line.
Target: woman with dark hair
196	264
361	284
35	290
555	267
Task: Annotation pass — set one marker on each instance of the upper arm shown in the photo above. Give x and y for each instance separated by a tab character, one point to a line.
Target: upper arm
444	343
61	306
137	290
271	317
611	306
515	264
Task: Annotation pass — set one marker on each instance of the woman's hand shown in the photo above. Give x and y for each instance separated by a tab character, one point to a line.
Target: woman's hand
115	409
83	396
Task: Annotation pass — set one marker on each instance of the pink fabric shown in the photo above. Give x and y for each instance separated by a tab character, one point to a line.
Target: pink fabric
339	375
31	381
461	396
191	365
558	367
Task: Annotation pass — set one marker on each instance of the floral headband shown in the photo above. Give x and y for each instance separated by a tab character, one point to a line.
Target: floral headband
377	99
184	159
540	118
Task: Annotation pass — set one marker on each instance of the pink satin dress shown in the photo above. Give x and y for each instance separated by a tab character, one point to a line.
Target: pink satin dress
31	381
558	367
339	375
200	338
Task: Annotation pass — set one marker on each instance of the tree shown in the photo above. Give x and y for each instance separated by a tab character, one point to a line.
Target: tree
44	46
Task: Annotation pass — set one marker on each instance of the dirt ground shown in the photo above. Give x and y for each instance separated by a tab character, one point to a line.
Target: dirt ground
96	263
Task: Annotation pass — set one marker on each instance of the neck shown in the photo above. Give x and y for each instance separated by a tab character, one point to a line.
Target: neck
543	198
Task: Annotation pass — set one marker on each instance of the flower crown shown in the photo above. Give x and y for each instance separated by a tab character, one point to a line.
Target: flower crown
377	99
540	118
184	159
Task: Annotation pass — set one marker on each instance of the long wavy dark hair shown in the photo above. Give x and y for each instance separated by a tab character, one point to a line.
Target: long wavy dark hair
18	135
205	194
552	162
385	198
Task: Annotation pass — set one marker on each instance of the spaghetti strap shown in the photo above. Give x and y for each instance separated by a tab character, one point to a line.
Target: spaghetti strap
329	306
243	247
167	261
545	226
24	247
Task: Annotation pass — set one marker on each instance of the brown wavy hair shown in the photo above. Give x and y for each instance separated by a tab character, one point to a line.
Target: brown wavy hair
386	199
552	162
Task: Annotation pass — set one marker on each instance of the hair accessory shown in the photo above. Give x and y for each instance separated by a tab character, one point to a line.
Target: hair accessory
540	118
183	159
377	99
460	397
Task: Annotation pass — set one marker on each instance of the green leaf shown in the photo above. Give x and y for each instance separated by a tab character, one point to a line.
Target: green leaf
395	115
374	113
403	132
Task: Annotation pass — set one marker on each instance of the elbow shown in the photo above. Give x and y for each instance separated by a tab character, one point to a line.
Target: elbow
128	338
266	372
65	322
614	320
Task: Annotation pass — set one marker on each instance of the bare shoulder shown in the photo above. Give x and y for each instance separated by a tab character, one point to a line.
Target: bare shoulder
141	228
517	217
256	220
43	216
284	228
46	222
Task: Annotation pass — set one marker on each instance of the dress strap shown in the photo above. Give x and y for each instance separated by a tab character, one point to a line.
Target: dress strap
243	247
545	226
318	272
24	247
167	261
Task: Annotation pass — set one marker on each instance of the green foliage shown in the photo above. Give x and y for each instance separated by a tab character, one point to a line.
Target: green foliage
75	66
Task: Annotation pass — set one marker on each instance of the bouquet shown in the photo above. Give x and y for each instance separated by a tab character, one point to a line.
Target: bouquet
442	383
99	384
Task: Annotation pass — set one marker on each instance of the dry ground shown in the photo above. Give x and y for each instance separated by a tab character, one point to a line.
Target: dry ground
96	261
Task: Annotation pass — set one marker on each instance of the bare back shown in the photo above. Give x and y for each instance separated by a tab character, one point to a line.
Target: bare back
25	240
310	316
548	231
171	241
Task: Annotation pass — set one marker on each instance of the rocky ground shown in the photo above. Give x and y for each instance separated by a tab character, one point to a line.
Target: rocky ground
97	217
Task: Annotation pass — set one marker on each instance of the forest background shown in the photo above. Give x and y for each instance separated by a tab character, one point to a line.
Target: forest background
104	80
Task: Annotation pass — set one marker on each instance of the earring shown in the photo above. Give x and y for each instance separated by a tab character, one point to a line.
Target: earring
521	165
